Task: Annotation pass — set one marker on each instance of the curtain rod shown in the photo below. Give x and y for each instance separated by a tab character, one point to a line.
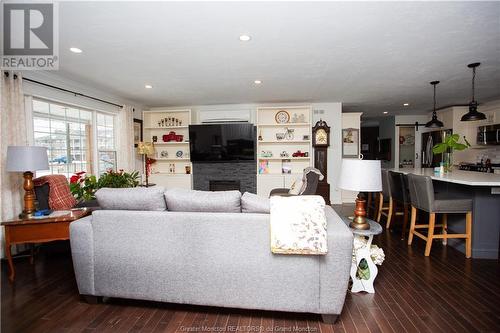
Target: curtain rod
66	90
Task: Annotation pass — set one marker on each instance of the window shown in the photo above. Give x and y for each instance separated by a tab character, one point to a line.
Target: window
68	134
105	142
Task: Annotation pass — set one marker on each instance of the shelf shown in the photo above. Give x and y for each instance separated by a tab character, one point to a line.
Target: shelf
167	111
165	127
172	159
285	141
284	125
169	143
285	158
171	174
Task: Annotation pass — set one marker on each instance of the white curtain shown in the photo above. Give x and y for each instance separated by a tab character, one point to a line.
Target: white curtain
13	131
125	140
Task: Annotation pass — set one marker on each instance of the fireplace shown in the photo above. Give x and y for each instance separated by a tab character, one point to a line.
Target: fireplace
240	176
224	185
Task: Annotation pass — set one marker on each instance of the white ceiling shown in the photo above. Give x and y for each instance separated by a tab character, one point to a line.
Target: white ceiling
371	56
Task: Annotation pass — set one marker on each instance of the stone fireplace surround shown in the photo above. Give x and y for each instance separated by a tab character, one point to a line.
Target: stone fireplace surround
243	172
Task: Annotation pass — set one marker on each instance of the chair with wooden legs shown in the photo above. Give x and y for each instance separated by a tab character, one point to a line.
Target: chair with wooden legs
371	204
422	197
384	197
400	199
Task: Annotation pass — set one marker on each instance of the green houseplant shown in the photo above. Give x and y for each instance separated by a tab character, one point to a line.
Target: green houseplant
83	187
446	148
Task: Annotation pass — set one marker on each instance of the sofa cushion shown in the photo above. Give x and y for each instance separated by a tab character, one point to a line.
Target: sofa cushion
179	200
137	198
253	203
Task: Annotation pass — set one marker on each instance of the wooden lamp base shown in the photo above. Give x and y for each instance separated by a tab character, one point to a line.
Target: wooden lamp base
359	221
29	196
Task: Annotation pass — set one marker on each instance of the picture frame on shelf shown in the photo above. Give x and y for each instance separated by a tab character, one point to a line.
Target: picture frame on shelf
137	131
286	166
350	143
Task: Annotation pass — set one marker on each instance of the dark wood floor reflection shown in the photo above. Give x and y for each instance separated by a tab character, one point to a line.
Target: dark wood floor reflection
442	293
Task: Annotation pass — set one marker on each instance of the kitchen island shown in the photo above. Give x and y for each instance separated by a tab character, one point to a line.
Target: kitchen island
484	189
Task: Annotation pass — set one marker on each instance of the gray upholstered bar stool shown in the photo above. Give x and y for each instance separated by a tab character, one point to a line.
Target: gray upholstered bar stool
400	199
422	197
384	197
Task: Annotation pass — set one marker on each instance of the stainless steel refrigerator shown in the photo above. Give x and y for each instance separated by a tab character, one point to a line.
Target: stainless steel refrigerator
429	139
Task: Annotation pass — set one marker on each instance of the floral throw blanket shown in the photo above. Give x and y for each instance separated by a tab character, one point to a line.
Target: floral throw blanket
298	225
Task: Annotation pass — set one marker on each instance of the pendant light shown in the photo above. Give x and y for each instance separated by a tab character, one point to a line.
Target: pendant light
473	115
434	122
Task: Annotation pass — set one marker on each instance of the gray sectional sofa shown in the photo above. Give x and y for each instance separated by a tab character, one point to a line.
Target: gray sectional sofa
204	248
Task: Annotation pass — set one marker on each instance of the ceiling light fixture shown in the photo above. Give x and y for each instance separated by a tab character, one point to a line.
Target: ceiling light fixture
385	112
434	122
75	50
257	81
406	104
473	114
245	38
148	86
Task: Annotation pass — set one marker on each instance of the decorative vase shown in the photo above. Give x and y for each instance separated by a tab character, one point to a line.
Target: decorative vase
448	161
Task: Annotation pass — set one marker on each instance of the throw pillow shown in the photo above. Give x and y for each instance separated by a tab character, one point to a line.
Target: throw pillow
137	198
179	200
252	203
296	187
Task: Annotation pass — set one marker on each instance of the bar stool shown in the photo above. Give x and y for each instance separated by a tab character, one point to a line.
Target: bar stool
422	197
371	204
384	197
400	196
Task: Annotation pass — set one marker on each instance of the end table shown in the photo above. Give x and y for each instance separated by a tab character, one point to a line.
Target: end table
38	231
364	283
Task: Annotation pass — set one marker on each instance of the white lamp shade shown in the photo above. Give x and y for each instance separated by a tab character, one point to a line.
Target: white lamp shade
360	175
27	158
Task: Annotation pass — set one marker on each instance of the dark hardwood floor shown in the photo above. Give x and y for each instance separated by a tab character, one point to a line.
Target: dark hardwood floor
442	293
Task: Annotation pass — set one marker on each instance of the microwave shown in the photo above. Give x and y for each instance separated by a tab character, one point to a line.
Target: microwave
488	135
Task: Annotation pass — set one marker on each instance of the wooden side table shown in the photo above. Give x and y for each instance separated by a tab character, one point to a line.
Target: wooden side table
38	231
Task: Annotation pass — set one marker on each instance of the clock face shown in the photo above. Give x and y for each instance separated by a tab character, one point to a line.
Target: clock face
321	137
282	117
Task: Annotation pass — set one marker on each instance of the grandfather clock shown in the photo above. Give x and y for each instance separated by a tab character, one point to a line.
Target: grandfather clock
321	141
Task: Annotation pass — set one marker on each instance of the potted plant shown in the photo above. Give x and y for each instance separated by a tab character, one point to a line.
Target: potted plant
446	148
83	187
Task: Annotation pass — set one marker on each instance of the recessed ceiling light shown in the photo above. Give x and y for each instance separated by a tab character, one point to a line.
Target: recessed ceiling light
148	86
245	38
75	50
385	112
406	104
257	81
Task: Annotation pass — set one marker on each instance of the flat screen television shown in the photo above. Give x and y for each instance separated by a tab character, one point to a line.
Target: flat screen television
222	142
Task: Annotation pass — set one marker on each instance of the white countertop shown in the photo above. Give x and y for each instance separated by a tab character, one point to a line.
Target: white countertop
456	176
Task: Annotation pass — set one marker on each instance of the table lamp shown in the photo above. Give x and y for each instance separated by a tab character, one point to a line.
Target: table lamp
27	159
146	148
360	176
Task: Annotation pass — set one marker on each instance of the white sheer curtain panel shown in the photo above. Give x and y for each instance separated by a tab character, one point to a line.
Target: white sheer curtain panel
125	139
12	132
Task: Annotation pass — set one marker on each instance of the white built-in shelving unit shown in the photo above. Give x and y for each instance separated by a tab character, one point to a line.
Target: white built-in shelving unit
270	148
172	158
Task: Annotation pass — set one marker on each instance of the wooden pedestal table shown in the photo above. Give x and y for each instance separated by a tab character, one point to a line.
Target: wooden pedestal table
38	231
360	284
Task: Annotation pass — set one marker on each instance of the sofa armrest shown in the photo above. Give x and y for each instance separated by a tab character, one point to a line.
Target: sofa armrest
82	250
336	265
